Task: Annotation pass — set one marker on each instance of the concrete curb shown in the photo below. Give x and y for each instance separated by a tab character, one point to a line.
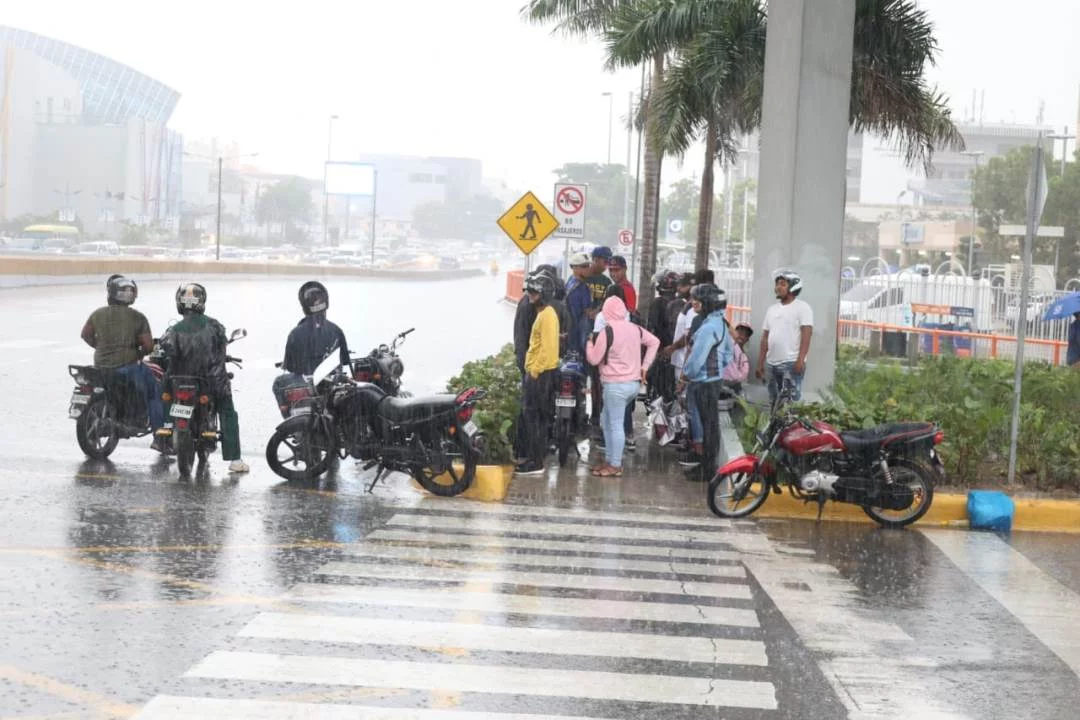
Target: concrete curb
948	510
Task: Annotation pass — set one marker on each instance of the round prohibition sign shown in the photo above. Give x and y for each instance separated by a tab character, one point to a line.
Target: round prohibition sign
570	201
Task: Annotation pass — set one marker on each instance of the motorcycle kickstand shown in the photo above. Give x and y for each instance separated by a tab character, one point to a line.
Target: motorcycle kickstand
820	505
378	476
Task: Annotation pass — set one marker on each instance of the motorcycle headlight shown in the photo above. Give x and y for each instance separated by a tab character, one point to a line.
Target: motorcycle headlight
396	368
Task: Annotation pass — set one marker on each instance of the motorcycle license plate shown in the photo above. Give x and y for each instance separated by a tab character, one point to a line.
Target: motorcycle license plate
565	402
182	411
470	428
78	399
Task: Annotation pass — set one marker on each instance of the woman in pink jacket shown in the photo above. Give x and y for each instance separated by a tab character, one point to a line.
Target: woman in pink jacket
616	350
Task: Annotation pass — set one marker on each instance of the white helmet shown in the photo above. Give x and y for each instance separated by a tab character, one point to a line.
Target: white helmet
794	280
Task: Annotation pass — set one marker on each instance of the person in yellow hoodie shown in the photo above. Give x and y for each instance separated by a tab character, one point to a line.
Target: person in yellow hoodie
541	364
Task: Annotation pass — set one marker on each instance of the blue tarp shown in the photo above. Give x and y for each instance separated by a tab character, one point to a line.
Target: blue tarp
990	510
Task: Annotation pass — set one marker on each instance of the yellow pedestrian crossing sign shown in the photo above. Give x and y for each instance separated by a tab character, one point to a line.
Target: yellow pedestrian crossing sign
528	223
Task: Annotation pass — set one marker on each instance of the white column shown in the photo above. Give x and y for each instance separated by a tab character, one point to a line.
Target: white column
803	163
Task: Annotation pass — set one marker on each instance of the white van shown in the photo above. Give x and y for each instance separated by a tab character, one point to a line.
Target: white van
888	299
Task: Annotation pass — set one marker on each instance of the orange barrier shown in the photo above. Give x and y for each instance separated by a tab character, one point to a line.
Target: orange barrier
515	285
935	335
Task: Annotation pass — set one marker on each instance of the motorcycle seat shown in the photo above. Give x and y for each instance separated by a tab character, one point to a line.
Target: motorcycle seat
412	410
873	439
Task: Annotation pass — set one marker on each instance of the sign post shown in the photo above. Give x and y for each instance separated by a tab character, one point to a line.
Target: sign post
1036	201
570	202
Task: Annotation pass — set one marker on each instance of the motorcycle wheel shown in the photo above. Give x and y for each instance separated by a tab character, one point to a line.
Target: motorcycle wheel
297	457
95	431
563	439
920	479
458	476
184	445
736	495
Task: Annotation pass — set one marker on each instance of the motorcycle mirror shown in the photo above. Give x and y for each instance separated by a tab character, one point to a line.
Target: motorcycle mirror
237	334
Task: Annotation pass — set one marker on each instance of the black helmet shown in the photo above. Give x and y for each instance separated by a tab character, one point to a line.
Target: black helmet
794	280
314	298
191	298
668	282
120	290
711	298
541	282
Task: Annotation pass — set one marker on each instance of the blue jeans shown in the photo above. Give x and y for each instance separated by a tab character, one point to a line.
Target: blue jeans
617	397
148	389
775	375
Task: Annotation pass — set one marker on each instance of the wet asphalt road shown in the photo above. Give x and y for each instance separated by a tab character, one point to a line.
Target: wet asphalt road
121	586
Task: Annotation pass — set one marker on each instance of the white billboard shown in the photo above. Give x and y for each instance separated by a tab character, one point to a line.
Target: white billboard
345	178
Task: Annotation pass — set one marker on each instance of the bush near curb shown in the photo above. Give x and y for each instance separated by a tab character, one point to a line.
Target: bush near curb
972	402
496	414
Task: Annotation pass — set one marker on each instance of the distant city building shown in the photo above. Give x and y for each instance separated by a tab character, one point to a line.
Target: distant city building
83	134
949	181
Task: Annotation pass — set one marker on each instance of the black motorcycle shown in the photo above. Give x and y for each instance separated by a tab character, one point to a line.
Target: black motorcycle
107	406
433	439
382	366
570	420
192	410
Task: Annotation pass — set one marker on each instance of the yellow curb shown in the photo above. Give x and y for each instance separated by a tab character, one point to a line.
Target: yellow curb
491	484
948	510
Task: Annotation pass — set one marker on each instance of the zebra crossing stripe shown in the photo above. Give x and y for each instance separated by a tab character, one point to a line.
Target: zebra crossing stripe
493	679
561	580
498	638
509	525
491	556
450	598
593	546
523	513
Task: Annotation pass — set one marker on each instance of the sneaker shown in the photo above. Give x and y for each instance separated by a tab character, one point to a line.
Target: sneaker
160	444
689	460
239	466
528	470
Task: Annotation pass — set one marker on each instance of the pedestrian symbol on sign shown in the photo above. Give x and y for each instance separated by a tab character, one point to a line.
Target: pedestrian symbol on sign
529	217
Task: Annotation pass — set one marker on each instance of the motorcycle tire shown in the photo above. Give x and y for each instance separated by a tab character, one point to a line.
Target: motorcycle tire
184	445
460	476
563	439
94	420
739	482
315	459
922	483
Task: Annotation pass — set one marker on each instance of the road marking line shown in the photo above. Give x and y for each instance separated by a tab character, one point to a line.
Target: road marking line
491	557
580	582
526	513
596	546
627	687
135	549
1048	609
496	638
72	694
169	707
497	525
507	604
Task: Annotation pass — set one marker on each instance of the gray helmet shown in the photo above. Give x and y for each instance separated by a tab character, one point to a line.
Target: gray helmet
711	298
120	290
541	282
794	280
191	298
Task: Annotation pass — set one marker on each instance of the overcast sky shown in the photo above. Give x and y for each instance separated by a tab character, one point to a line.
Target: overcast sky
469	78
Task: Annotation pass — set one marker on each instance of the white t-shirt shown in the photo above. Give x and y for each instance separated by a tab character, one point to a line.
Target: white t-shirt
784	324
682	329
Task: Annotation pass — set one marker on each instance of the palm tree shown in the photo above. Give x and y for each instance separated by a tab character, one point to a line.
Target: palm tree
594	17
714	87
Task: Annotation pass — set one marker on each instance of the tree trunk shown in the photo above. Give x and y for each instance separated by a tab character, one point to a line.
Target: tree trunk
705	206
650	216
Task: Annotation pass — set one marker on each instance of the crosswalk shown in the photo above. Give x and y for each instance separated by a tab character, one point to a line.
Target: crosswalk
471	612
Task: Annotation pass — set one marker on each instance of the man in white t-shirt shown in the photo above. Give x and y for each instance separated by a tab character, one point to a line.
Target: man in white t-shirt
785	337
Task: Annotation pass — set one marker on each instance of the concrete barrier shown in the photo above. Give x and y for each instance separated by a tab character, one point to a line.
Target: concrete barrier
22	270
515	285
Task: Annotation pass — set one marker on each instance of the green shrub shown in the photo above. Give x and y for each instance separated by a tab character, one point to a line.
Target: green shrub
496	414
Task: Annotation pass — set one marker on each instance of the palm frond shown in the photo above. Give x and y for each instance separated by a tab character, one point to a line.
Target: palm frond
573	17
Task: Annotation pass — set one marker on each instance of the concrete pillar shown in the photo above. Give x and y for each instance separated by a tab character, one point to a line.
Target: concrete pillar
803	164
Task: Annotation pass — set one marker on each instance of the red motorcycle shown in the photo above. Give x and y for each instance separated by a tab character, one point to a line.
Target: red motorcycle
889	471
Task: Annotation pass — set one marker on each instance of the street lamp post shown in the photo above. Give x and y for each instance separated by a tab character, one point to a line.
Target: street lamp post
1064	137
326	195
220	163
977	154
610	116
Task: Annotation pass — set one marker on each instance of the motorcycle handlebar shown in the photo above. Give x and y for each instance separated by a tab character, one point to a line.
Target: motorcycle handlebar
230	358
402	335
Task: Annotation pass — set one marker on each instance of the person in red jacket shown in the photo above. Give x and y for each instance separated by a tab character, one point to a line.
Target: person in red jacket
617	270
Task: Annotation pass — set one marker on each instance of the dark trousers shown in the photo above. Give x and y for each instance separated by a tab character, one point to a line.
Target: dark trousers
706	396
536	403
597	395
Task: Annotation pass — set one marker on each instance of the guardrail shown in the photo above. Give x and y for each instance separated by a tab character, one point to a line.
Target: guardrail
980	344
